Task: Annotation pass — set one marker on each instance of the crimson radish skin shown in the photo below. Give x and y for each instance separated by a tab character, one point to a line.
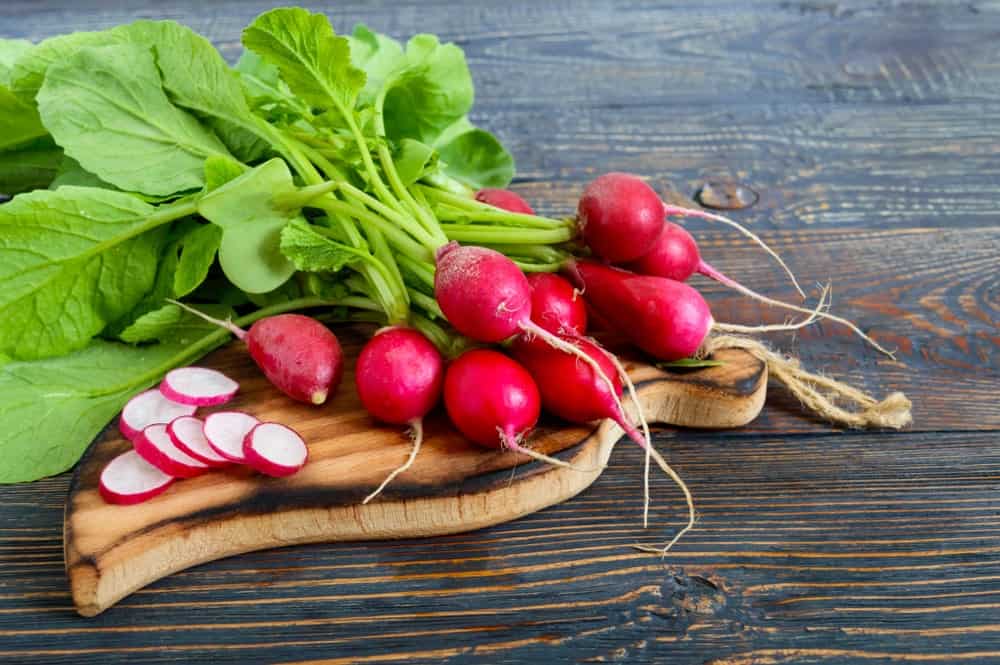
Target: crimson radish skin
674	255
399	376
274	450
155	446
619	217
198	386
187	433
556	306
505	200
129	479
147	408
667	319
491	398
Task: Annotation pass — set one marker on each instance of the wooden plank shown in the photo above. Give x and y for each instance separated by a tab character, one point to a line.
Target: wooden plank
842	543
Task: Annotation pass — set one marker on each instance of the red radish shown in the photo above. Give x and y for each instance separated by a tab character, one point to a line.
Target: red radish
505	200
129	479
667	319
187	434
491	399
274	449
399	376
148	408
675	255
556	306
619	217
298	354
225	432
198	386
155	446
572	390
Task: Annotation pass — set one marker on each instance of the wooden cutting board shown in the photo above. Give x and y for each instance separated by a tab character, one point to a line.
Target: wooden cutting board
110	550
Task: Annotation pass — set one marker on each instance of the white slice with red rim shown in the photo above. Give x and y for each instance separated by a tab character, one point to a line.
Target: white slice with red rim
275	449
188	435
149	408
225	432
129	479
155	446
198	386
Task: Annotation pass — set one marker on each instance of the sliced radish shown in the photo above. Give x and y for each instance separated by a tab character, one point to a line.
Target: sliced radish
186	433
130	479
148	408
198	386
154	446
274	449
225	432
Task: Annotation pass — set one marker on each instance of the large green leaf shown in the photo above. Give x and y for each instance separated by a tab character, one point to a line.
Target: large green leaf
19	121
10	51
314	61
250	253
31	166
477	159
107	109
378	55
29	69
72	260
309	249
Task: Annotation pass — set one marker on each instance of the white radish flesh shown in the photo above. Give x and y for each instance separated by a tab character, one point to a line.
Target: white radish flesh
130	479
155	446
225	432
187	434
147	409
198	386
274	449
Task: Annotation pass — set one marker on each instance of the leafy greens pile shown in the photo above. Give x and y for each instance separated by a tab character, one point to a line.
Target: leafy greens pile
320	171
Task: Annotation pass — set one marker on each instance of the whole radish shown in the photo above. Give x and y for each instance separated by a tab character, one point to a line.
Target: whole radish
675	255
299	355
556	306
619	216
399	375
665	318
491	399
572	390
505	200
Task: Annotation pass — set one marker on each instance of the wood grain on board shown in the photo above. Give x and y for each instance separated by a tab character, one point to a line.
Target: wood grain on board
869	129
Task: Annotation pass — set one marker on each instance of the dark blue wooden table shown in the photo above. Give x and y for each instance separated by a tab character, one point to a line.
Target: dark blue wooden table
871	131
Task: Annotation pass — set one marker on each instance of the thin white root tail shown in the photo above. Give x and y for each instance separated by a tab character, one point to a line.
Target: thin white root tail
641	416
822	395
417	432
516	447
704	214
814	314
228	325
662	551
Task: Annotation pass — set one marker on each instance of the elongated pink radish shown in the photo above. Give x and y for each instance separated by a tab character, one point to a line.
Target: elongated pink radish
198	386
225	432
505	200
148	408
156	447
129	479
399	376
274	449
556	306
675	256
187	434
299	355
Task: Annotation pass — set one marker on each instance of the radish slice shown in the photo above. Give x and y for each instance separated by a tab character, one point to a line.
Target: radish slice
274	449
225	432
154	446
147	409
130	479
186	433
198	386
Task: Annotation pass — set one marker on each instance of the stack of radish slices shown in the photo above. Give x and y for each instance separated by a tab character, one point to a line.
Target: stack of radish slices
170	442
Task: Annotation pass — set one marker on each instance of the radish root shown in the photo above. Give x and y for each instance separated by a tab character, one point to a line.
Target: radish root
865	411
709	271
814	314
662	551
512	443
670	209
417	434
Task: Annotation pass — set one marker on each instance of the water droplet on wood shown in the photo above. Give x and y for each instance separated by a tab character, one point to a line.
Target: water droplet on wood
723	195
